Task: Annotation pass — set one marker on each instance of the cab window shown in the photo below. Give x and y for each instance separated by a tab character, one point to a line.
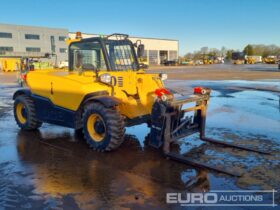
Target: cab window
87	56
121	55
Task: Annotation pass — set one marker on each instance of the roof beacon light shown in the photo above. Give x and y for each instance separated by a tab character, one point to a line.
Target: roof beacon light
78	35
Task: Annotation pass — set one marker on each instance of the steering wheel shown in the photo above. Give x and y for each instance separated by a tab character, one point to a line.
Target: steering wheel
88	66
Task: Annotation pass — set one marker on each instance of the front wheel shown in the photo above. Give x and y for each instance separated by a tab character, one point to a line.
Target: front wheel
103	127
25	114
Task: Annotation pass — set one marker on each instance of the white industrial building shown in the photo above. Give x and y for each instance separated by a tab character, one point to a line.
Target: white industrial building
156	50
20	39
25	40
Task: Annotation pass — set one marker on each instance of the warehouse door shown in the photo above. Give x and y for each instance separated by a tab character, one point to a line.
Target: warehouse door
173	55
153	57
163	56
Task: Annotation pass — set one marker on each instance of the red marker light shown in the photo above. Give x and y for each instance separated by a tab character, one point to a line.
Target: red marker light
200	90
162	91
24	77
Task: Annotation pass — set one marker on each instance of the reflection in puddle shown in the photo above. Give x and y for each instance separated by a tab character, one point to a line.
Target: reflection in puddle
62	167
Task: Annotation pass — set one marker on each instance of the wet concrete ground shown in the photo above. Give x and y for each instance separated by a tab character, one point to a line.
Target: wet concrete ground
53	168
220	72
226	66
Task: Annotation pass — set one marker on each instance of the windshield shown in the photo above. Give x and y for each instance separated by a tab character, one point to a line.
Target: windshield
87	56
121	55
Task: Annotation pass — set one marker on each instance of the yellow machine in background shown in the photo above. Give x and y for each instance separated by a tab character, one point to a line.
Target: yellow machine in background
24	62
270	59
42	65
13	64
238	58
206	59
9	64
238	62
250	60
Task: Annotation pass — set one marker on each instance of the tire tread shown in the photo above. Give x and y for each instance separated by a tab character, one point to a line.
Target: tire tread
115	126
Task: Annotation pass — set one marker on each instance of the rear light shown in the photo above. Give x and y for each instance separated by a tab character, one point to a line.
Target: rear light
200	90
163	94
162	91
24	77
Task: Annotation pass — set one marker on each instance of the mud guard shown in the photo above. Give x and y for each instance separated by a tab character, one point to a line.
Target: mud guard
23	91
107	101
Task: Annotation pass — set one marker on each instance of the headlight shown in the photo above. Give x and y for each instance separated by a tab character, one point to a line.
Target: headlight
106	78
163	76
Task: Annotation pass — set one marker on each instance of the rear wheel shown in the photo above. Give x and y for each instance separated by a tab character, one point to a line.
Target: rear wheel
24	112
103	127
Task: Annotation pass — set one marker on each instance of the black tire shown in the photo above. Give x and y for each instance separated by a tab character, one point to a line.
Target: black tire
111	127
29	120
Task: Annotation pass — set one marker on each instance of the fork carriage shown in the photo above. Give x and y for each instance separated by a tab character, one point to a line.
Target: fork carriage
170	123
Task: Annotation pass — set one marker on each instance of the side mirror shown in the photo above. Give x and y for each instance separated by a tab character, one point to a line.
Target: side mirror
140	50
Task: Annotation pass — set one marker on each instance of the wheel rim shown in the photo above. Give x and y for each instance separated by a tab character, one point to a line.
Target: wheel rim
21	113
96	127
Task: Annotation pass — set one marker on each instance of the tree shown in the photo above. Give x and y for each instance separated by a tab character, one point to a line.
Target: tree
260	49
214	52
223	51
265	50
189	56
249	50
229	54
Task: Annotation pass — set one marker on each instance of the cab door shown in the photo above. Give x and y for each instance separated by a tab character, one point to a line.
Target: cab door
67	89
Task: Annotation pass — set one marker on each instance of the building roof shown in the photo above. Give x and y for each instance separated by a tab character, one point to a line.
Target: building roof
39	27
136	37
